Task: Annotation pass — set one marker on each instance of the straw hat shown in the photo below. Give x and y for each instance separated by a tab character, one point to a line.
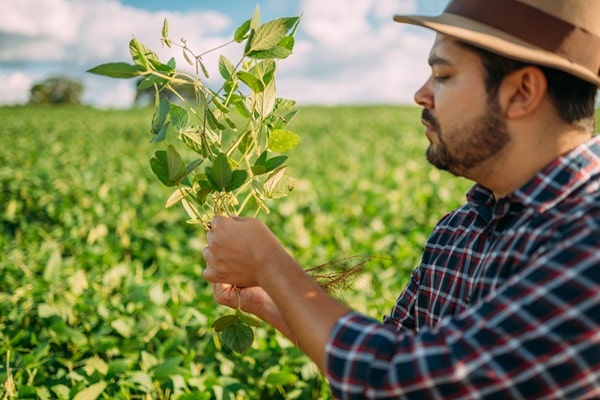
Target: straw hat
562	34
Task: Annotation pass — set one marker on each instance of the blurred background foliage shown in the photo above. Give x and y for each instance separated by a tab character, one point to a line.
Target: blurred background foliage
101	294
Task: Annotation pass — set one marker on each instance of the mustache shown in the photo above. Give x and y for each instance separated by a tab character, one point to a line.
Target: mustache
428	117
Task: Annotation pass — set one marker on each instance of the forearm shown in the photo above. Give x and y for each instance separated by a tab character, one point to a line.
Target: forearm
243	252
307	309
272	316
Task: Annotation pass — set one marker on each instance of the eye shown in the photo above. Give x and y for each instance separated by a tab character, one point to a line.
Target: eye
441	78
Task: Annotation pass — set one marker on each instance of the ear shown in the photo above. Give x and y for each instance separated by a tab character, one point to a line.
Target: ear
521	92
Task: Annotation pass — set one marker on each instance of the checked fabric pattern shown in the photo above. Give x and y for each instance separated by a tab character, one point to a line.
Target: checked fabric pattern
505	303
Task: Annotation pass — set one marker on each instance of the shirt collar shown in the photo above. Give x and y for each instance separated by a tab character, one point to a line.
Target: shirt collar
552	184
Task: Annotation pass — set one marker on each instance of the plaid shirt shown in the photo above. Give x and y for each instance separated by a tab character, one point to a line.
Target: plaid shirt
504	305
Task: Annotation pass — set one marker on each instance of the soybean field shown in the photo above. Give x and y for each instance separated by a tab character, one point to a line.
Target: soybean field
101	289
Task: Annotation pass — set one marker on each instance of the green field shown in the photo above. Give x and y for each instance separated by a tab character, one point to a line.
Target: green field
101	293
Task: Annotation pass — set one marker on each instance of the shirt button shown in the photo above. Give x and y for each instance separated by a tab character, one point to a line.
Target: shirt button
467	299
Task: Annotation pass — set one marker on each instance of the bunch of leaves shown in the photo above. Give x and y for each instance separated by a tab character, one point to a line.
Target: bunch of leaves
235	134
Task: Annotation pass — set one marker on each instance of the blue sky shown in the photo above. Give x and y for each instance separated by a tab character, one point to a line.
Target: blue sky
347	51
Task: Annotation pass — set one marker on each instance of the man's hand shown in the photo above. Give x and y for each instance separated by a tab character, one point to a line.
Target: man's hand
239	251
244	253
253	300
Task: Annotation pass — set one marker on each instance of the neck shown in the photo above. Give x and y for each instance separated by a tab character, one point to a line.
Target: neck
525	156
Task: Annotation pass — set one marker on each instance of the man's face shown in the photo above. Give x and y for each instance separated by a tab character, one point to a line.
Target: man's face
465	126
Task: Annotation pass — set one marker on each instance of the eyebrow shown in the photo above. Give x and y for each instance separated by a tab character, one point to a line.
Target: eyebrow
437	60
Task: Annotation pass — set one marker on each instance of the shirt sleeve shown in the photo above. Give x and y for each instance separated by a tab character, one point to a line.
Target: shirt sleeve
537	336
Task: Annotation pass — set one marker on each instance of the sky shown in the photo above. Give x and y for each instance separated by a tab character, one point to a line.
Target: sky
346	51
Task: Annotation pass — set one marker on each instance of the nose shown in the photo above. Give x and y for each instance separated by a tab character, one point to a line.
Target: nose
424	96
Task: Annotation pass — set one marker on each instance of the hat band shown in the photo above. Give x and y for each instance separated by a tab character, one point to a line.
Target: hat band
523	21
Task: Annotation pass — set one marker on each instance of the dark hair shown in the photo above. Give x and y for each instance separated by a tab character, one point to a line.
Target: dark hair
573	98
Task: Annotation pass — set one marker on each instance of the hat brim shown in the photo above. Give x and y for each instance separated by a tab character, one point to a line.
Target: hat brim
496	41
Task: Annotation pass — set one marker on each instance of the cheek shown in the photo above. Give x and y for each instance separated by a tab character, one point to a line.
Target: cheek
456	110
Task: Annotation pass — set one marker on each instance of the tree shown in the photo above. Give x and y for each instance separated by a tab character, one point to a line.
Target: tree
56	90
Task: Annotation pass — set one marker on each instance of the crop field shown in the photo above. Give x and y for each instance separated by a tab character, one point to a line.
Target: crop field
101	292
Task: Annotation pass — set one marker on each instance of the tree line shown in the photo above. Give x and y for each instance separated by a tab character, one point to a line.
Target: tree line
64	90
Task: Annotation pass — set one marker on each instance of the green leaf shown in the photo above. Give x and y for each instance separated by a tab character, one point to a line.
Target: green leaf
223	322
265	100
169	367
124	326
288	43
91	392
255	20
212	120
249	320
119	70
240	105
282	104
52	271
161	134
226	68
220	174
171	63
204	69
274	162
149	82
165	33
281	378
192	166
186	56
193	140
175	197
265	71
252	81
61	391
281	140
275	52
241	32
159	118
259	166
167	69
203	190
263	165
117	367
179	117
76	337
238	337
229	87
238	178
141	54
281	51
278	185
220	106
168	166
270	34
141	381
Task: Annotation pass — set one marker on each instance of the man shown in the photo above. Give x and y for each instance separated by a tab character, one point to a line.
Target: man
506	301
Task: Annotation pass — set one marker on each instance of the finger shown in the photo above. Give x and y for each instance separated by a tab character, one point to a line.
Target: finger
207	254
215	221
224	294
209	274
240	218
209	237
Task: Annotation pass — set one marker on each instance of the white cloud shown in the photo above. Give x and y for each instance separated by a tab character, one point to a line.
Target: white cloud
346	51
105	93
39	18
354	52
15	87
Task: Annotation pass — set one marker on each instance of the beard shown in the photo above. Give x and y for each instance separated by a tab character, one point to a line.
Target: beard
471	144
